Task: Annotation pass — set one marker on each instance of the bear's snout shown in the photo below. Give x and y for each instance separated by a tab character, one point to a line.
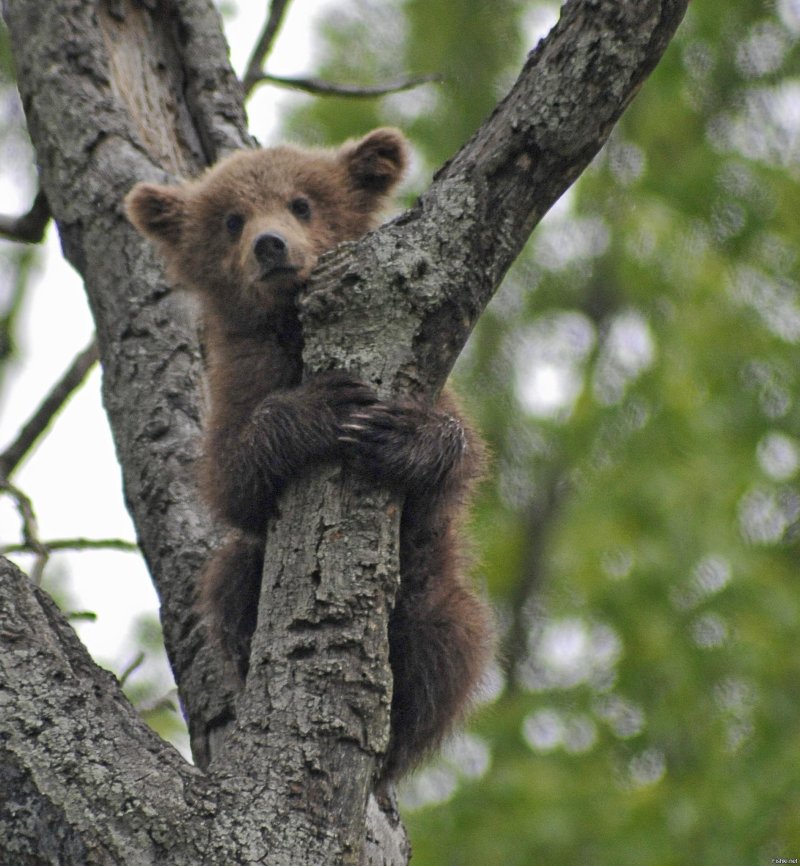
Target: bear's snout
271	250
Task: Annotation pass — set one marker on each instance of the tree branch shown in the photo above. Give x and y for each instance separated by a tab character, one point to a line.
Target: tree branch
82	777
328	88
28	228
42	417
68	743
261	51
57	544
30	527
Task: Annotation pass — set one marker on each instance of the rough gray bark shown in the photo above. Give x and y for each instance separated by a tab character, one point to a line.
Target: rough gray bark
91	76
120	91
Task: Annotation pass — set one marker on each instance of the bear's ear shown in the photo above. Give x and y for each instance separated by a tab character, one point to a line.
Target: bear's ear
157	211
377	161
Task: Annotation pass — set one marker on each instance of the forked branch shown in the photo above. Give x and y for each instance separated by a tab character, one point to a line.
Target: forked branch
277	10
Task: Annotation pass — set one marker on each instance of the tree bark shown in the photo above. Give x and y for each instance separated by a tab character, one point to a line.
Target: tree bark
92	77
120	91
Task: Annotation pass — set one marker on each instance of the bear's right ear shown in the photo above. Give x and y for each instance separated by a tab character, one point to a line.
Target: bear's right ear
157	211
377	161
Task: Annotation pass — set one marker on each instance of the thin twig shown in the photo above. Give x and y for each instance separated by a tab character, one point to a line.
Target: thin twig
59	544
40	419
328	88
8	318
133	666
30	528
28	228
81	615
277	10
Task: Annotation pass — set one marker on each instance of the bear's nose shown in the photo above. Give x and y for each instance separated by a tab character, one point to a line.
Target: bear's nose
270	249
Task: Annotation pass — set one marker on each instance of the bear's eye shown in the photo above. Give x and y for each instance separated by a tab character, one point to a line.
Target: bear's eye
234	223
301	208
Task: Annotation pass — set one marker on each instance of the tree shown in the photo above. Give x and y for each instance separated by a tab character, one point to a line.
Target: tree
117	93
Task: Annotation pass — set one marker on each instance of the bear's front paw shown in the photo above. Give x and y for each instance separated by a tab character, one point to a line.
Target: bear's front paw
403	445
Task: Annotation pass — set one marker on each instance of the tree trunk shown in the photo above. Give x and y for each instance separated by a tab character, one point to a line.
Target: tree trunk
119	91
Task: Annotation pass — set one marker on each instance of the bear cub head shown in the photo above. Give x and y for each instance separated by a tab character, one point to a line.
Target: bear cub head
248	232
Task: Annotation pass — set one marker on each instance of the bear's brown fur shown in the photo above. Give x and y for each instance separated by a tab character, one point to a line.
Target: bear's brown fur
244	237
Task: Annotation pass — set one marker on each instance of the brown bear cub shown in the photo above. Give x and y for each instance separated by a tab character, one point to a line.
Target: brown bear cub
244	237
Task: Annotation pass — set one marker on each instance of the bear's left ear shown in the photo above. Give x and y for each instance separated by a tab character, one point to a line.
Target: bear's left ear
157	211
377	161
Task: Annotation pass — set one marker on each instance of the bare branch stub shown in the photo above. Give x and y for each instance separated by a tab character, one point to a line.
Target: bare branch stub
28	228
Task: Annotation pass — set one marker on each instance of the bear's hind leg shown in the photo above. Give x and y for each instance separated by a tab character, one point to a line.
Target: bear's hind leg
230	587
440	641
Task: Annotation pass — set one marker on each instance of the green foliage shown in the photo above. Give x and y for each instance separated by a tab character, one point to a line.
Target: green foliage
636	380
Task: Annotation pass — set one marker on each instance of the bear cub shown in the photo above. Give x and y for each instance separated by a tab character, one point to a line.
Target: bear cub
243	238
